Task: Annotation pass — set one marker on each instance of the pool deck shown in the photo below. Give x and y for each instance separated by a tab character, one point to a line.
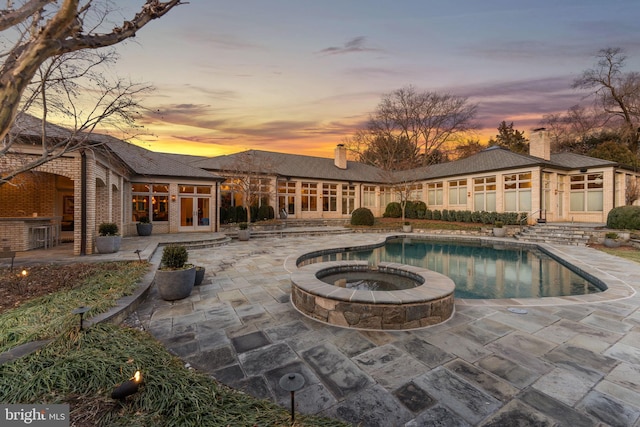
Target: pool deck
572	361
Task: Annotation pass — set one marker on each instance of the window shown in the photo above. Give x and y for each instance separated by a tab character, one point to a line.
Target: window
517	192
484	194
309	196
150	201
329	197
415	192
458	192
287	196
434	193
586	192
369	196
348	199
386	196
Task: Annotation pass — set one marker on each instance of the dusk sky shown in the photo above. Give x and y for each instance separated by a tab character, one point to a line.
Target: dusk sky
298	76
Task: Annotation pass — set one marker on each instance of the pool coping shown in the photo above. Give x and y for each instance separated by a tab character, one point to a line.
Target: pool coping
616	289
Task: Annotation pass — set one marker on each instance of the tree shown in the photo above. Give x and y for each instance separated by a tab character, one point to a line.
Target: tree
615	152
408	127
72	86
511	139
571	130
617	93
248	176
43	30
468	148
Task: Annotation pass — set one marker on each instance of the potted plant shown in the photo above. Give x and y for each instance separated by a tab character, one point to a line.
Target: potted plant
612	240
498	229
175	278
407	227
144	227
243	232
199	275
108	240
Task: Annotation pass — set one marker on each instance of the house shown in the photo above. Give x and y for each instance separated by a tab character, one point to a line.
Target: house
108	180
105	180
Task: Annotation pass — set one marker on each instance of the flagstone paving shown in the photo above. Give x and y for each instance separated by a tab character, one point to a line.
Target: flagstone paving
561	364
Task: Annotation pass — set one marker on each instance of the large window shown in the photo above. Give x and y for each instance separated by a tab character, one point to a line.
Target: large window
484	194
330	197
150	201
434	193
387	195
458	192
369	196
287	197
586	192
348	198
309	197
517	192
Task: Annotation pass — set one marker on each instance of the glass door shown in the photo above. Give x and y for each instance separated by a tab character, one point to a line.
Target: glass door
195	213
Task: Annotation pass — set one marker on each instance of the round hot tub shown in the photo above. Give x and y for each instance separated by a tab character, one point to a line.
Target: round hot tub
411	297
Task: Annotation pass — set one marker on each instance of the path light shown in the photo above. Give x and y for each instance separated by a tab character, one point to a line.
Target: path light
81	311
292	382
128	387
137	252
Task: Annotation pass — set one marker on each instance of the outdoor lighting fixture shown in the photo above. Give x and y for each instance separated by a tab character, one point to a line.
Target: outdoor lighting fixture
292	382
24	273
137	252
81	311
173	197
128	387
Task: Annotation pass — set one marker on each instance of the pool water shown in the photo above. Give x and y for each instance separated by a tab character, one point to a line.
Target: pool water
369	281
479	271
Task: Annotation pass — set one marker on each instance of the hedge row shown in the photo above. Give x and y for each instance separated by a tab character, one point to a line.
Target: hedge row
418	210
239	214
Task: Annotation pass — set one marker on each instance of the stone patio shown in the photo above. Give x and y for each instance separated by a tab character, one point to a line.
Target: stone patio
568	362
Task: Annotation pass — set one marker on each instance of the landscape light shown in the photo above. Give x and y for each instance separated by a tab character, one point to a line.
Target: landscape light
128	387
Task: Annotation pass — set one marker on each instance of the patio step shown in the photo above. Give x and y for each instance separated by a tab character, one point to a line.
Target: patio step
558	234
203	243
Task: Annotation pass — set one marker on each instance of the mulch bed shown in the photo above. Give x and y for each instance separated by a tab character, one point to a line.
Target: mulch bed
16	289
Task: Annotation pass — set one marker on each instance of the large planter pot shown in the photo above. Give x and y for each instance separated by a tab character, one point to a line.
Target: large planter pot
108	244
611	243
199	275
144	228
499	232
244	235
407	228
175	284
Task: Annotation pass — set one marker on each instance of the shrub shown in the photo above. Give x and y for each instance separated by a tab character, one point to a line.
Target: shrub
498	224
263	213
437	215
144	220
428	214
624	218
174	257
243	226
611	235
108	229
421	208
362	216
240	214
393	210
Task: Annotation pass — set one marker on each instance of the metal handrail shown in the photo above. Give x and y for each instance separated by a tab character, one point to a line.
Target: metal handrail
532	214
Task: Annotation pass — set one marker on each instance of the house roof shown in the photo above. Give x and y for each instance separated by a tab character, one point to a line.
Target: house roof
148	163
291	165
294	165
139	160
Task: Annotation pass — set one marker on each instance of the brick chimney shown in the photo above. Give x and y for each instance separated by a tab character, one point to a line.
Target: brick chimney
340	156
539	144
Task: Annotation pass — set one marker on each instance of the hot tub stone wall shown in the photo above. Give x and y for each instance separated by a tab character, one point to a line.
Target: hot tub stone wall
425	305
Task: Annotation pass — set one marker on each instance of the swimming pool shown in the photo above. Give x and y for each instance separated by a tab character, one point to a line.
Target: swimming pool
480	270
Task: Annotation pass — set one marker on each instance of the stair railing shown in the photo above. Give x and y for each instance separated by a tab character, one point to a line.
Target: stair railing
543	215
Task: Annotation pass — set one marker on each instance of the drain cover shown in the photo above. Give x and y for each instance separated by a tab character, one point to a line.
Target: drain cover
517	310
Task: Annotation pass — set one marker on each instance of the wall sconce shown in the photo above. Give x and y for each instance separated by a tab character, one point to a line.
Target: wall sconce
468	193
173	197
